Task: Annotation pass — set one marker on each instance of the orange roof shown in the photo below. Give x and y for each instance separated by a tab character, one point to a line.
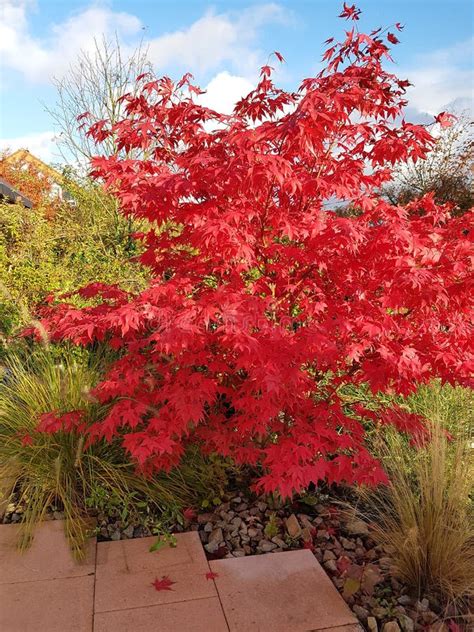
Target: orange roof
24	156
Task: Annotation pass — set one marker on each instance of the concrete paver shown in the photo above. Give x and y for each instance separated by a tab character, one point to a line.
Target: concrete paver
282	592
53	605
198	615
126	571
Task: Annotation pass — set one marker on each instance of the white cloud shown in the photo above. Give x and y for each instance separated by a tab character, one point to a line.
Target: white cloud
215	39
211	41
40	144
223	92
442	79
39	59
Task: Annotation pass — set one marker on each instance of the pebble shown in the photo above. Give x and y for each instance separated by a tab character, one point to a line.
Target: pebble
357	527
128	532
293	527
362	613
267	546
330	565
407	624
391	626
211	547
372	624
216	536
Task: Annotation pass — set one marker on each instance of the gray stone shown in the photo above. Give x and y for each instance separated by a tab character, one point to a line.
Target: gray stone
407	624
360	612
128	532
267	546
116	535
357	527
348	544
216	536
211	547
328	555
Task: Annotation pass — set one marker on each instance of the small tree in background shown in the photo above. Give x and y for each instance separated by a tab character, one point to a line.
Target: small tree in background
264	305
95	84
447	171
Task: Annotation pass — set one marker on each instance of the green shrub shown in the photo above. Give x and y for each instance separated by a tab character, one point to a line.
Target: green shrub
43	251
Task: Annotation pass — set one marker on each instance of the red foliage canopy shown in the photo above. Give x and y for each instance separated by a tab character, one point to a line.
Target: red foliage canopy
264	301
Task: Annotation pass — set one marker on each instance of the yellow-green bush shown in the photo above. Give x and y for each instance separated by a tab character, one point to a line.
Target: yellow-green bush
43	251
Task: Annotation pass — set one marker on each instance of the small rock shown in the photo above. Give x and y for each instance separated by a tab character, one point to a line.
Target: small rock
16	517
391	626
305	521
357	527
262	506
116	535
360	612
211	547
216	536
407	624
405	600
348	544
128	532
293	526
58	515
330	565
423	605
328	555
279	542
208	527
323	534
253	533
306	535
372	624
267	546
238	553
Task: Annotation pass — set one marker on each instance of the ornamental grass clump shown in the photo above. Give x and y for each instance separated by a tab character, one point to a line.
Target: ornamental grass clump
426	514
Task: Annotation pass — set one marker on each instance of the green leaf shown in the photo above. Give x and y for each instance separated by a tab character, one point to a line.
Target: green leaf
157	546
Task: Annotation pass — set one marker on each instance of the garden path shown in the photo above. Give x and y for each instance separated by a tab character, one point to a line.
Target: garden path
122	587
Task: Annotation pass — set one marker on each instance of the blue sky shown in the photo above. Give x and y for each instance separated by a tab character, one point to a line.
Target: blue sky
223	44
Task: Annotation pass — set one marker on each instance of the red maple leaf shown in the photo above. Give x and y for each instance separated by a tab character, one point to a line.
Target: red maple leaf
445	119
392	38
189	513
164	583
211	575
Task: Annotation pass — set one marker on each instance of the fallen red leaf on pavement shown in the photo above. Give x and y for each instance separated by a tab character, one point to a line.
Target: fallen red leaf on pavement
164	583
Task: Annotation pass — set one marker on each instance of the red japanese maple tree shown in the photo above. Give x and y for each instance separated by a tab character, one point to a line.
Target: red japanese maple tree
265	302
